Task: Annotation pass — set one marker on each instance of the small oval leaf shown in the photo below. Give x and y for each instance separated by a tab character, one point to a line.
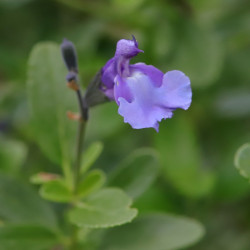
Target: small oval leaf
91	183
56	190
242	160
43	177
106	208
91	155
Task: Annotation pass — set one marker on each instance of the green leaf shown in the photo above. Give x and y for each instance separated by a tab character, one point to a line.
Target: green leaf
42	177
106	208
180	158
91	183
91	155
49	100
12	155
56	190
26	237
19	203
154	232
137	172
242	160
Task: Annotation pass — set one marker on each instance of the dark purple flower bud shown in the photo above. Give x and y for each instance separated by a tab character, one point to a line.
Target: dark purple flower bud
71	76
69	55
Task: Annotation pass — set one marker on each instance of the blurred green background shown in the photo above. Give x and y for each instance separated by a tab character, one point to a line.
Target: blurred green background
208	40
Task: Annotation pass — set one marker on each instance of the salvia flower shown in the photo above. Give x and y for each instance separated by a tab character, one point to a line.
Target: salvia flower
144	94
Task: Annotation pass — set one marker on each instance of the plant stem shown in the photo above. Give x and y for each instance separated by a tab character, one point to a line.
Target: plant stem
79	144
80	137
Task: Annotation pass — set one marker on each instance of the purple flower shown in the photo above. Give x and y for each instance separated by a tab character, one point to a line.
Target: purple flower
143	93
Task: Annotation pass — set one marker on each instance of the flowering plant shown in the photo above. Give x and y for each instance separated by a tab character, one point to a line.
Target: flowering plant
93	198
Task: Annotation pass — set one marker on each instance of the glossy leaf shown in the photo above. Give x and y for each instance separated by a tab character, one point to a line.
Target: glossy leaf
91	155
137	172
26	237
242	160
19	203
91	183
106	208
49	100
154	232
56	190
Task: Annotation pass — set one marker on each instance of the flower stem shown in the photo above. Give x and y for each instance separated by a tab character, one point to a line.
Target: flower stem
80	136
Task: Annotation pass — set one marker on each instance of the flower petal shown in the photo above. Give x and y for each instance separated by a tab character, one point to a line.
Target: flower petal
152	72
144	110
176	90
109	73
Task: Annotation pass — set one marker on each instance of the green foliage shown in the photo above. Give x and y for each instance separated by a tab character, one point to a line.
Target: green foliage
20	204
154	231
137	172
91	155
49	100
181	158
104	122
26	237
242	160
207	40
91	183
56	190
12	155
106	208
41	178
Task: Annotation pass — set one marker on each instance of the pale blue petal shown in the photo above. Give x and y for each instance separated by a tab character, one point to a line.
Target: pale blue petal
144	110
175	91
